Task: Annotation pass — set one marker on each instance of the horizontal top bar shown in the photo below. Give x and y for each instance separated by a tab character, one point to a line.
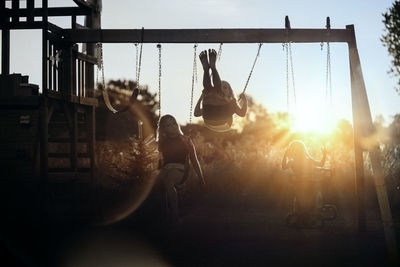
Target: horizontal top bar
25	25
51	12
206	35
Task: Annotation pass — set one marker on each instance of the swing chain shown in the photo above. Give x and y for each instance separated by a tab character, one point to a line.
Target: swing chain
291	67
195	63
219	52
159	82
328	76
193	81
289	60
139	66
98	67
252	68
102	67
287	75
137	59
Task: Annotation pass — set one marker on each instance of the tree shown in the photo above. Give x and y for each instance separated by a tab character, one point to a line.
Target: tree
391	38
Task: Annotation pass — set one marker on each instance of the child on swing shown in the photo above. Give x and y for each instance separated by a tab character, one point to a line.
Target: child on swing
175	149
218	100
298	159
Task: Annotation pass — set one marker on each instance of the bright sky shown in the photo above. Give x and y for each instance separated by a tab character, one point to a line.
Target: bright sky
268	83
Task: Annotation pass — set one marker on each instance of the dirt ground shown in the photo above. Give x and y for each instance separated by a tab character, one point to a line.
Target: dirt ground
211	234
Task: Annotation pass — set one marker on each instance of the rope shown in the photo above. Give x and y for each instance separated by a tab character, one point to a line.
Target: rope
252	68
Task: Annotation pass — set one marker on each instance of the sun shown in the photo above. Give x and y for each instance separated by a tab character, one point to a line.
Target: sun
313	119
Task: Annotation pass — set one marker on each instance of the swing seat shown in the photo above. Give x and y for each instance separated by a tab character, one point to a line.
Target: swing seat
216	127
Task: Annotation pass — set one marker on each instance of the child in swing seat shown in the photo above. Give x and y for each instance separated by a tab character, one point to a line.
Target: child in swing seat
177	150
298	159
217	100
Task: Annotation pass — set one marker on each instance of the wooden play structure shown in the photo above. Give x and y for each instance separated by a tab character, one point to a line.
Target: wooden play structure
64	110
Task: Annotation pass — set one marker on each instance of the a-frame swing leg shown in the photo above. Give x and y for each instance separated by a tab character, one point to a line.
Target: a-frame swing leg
363	138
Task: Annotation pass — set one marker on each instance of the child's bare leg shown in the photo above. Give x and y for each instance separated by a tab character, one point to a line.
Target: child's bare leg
206	67
215	76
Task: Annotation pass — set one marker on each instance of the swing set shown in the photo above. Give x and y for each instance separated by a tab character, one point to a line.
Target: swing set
68	78
102	86
289	61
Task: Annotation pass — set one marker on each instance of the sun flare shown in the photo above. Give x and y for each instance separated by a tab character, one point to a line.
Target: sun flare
313	119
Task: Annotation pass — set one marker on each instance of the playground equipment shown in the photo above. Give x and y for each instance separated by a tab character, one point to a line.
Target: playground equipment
68	89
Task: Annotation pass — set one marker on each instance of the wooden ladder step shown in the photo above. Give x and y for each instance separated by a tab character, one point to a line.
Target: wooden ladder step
68	170
66	140
68	155
64	123
80	177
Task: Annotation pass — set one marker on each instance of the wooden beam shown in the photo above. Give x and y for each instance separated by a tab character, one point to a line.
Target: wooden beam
91	138
51	12
87	58
364	131
87	101
68	66
83	4
45	49
68	155
15	7
22	25
32	25
54	28
205	35
43	141
74	139
30	5
65	140
5	41
73	22
19	102
358	151
79	26
3	10
93	21
5	51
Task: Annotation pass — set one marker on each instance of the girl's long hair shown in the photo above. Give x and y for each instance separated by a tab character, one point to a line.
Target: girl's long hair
161	134
297	149
227	90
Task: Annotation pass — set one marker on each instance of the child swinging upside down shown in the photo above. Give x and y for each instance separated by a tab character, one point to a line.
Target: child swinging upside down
218	100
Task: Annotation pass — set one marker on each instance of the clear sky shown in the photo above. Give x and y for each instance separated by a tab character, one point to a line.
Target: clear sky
268	84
